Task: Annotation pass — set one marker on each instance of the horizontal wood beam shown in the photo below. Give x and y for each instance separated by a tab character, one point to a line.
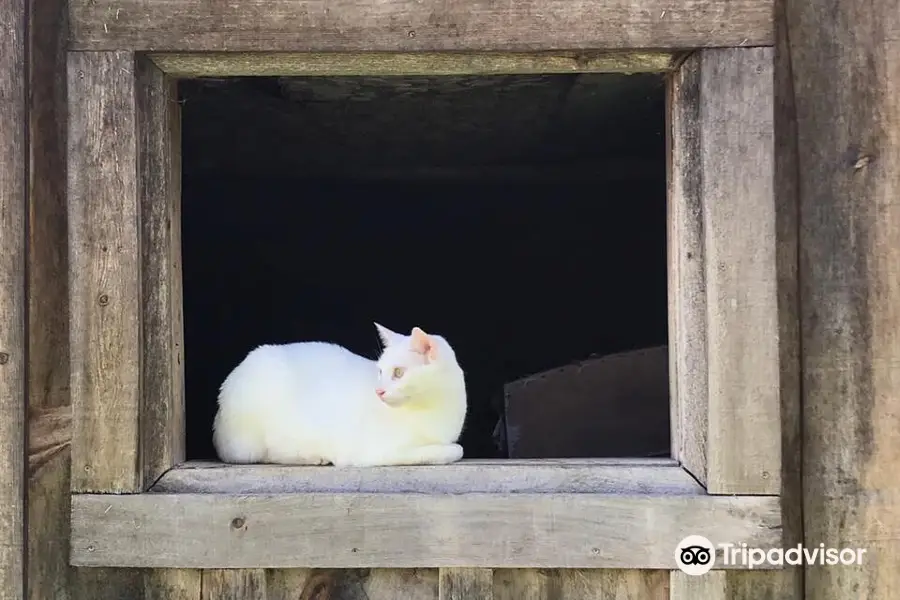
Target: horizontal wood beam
361	530
414	26
378	64
652	476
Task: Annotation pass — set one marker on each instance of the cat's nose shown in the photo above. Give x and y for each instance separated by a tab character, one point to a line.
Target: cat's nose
380	392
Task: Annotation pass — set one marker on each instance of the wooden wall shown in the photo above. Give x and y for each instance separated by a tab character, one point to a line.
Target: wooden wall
13	360
838	76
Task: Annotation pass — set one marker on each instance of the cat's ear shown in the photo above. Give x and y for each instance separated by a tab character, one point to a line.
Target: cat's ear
423	344
387	336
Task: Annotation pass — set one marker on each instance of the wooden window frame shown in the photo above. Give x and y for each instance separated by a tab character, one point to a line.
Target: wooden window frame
137	503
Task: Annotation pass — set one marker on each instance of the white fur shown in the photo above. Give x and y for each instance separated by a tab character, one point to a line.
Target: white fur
315	403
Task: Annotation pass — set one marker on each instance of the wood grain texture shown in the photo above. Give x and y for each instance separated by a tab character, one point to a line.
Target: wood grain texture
687	274
785	583
49	433
356	530
638	476
49	573
13	181
407	25
845	67
527	584
162	423
381	64
466	584
104	271
49	408
736	585
563	584
351	584
234	584
172	584
724	276
711	586
736	99
616	584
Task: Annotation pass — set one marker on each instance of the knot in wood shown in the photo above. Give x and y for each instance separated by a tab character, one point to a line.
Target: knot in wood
237	523
4	358
103	300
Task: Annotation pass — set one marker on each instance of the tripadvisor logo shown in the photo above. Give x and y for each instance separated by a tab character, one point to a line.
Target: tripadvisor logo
695	555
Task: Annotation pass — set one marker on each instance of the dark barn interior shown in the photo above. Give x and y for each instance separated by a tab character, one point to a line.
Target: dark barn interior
522	217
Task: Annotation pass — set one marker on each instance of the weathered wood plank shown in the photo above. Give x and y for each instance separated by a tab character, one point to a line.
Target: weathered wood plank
49	573
106	584
49	408
711	586
104	271
234	584
736	585
786	583
162	412
845	63
737	146
231	64
49	433
561	584
724	277
526	584
687	275
172	584
466	584
409	26
355	530
351	584
615	584
13	181
656	476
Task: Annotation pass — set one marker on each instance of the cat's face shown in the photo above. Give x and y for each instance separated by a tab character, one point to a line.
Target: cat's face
407	365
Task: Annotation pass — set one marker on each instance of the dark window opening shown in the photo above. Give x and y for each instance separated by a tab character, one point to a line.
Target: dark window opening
522	217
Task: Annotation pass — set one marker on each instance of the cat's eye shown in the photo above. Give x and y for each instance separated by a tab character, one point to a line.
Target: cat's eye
398	372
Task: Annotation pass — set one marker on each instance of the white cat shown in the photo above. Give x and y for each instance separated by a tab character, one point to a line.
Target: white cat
316	403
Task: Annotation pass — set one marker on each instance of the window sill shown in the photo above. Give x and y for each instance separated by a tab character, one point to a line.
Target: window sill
599	513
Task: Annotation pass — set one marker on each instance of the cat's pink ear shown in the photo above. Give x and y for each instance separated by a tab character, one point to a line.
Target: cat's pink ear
387	336
423	344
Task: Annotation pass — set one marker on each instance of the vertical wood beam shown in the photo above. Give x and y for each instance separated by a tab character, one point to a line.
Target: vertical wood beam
711	586
104	272
162	421
687	276
233	584
724	291
125	272
50	431
744	443
845	68
466	584
13	178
